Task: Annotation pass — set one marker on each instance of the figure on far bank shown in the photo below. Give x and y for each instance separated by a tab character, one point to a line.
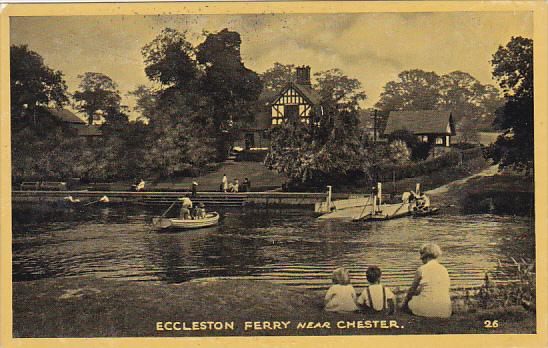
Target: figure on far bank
429	293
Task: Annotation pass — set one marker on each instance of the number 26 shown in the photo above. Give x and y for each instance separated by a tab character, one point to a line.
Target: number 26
491	324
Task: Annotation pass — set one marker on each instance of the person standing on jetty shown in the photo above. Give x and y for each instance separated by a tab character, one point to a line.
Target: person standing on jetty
429	293
341	296
224	183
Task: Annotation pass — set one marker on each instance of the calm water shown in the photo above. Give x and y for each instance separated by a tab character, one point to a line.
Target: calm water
282	246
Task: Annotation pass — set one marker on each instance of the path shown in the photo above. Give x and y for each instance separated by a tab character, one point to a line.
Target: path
490	171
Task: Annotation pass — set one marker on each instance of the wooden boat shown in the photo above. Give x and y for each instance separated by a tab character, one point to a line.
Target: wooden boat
211	219
425	212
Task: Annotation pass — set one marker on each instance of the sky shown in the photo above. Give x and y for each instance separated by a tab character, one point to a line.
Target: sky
372	47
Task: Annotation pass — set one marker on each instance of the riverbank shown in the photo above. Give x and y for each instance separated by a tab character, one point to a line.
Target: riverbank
92	307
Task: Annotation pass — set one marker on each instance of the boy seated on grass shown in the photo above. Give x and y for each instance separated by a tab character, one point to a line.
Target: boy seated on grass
376	297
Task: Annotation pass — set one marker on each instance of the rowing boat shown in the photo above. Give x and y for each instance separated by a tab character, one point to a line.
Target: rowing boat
211	219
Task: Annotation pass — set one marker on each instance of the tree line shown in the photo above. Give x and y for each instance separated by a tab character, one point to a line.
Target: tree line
200	96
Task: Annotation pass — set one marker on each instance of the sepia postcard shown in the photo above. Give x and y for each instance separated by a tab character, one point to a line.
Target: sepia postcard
274	174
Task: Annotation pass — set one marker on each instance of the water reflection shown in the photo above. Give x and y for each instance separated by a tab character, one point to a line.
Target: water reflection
283	246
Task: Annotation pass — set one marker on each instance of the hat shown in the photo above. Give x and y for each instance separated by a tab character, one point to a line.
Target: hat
194	183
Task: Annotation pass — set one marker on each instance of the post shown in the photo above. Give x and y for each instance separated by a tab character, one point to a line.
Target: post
418	189
379	193
329	195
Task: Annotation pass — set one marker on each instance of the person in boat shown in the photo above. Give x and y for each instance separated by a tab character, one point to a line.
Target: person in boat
376	297
429	293
423	202
200	211
186	206
341	296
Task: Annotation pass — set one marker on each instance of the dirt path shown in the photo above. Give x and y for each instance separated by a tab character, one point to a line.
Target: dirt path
490	171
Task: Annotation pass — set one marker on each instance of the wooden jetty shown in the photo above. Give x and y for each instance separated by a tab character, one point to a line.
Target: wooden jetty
269	198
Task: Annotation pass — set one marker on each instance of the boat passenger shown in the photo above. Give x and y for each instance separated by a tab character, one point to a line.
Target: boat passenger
429	293
185	213
376	297
200	211
341	296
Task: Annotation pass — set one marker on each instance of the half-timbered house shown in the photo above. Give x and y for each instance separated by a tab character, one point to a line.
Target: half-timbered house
296	101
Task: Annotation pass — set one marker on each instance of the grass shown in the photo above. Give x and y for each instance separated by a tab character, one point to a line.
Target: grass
90	307
261	178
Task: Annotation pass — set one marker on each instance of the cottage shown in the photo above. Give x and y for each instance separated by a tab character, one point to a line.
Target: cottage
430	126
80	126
296	101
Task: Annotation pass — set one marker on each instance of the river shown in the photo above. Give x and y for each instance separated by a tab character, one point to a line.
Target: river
288	247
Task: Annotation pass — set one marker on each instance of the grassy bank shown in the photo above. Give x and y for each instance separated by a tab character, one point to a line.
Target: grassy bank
90	307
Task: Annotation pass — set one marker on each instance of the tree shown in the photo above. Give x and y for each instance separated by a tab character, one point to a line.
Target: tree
146	101
99	97
471	102
33	86
513	68
278	76
414	90
169	60
233	88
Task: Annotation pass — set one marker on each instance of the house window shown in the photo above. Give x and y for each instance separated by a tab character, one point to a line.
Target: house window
439	140
423	138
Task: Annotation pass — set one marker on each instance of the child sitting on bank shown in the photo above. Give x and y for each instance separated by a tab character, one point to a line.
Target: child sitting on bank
341	296
376	297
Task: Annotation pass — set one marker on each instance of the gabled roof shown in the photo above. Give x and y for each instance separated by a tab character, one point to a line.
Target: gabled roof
308	92
65	115
421	122
305	91
84	130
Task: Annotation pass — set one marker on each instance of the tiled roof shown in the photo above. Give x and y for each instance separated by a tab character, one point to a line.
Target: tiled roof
66	116
85	130
420	122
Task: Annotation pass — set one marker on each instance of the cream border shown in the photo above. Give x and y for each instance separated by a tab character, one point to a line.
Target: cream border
540	38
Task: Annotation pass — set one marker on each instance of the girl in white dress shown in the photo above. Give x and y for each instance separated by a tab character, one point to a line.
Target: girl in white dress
429	294
341	296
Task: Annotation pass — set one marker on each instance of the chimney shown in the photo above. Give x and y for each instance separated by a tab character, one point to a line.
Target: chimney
303	75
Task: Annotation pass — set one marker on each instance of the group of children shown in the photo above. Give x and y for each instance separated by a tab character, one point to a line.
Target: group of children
235	186
342	297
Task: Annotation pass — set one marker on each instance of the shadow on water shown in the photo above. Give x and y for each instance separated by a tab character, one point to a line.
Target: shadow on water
282	246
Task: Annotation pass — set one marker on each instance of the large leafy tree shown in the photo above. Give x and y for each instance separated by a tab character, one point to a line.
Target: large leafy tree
98	96
179	114
33	86
513	68
413	90
169	60
233	88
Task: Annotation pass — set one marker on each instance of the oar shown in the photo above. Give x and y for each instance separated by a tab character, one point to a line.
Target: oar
89	203
162	216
